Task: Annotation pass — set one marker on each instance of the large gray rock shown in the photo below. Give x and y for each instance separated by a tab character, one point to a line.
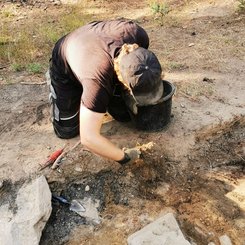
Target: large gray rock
163	231
23	225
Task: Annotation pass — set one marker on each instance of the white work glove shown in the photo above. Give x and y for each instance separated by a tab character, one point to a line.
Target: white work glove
131	155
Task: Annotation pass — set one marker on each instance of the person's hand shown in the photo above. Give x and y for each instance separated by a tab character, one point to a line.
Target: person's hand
131	155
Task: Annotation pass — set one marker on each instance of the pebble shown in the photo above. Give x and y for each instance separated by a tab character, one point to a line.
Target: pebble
225	240
240	223
59	170
191	44
208	80
87	188
78	169
1	184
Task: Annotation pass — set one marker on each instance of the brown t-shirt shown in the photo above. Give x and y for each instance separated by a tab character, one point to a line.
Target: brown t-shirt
90	51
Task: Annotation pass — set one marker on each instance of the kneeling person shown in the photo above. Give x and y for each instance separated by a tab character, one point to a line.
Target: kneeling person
102	66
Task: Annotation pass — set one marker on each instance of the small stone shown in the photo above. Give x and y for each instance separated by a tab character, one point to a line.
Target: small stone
182	105
225	240
78	169
240	223
1	184
59	170
87	188
208	80
125	201
191	44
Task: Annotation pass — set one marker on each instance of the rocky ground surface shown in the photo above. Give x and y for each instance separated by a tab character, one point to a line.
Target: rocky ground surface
193	168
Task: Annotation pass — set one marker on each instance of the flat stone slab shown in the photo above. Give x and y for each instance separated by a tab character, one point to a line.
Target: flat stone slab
163	231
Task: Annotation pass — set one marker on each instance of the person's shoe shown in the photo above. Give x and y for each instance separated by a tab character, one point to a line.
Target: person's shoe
65	132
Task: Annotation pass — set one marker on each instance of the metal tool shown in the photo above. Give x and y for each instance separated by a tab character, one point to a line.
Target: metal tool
75	205
51	159
56	163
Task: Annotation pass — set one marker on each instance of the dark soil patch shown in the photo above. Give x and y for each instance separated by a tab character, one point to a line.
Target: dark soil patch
203	209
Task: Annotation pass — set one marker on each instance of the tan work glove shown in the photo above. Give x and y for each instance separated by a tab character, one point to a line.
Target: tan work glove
131	155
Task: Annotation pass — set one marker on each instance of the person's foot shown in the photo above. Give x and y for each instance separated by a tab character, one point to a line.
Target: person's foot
65	132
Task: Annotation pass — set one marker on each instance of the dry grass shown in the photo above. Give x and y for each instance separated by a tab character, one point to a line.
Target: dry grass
28	35
195	89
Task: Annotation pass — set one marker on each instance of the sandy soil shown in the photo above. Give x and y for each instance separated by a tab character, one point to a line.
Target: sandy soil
196	165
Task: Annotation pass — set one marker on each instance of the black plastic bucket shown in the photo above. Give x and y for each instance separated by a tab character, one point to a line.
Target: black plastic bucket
155	117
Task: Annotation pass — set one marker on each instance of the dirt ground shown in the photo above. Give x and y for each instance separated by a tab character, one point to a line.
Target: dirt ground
194	167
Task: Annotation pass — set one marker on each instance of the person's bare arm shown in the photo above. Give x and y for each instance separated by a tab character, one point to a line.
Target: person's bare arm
90	126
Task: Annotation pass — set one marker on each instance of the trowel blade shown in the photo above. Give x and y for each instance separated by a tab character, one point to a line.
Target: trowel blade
77	206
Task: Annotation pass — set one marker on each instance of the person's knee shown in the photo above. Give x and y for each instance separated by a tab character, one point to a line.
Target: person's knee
65	123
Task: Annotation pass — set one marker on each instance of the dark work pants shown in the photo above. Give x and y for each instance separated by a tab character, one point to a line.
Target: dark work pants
65	96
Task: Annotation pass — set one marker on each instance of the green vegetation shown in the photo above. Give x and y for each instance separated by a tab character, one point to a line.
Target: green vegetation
16	67
7	13
26	41
34	68
160	10
241	6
